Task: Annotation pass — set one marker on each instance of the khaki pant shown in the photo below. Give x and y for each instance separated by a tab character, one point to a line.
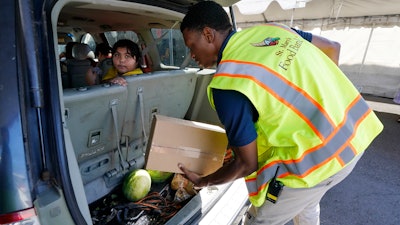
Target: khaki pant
299	204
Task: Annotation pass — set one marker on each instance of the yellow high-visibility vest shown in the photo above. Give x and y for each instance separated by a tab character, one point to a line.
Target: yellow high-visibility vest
312	120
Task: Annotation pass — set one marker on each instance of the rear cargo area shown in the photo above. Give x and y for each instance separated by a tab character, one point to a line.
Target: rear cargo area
211	205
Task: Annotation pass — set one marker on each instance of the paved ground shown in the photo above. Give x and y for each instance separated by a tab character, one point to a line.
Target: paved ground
371	193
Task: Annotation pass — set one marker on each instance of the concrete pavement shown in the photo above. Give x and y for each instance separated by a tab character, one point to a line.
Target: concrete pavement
371	193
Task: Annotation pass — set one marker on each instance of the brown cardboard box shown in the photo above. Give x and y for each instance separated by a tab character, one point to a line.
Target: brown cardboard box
200	147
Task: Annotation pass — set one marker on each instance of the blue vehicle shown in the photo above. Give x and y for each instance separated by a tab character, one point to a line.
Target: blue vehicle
65	146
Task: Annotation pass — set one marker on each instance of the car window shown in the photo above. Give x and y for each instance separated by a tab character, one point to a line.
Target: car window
89	40
114	36
171	47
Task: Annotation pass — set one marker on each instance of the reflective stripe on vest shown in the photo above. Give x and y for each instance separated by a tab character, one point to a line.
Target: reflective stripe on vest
336	139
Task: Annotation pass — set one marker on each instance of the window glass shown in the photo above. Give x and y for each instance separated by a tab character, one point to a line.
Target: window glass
89	40
171	47
114	36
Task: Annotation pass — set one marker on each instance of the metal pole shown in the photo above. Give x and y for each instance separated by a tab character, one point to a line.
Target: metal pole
233	18
366	48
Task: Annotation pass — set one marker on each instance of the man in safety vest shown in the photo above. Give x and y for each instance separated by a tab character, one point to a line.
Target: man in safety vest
296	124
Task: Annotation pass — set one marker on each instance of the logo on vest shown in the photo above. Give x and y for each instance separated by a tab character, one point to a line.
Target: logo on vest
269	41
288	51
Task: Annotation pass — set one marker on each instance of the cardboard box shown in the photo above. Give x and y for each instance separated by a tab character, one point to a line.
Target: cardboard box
200	147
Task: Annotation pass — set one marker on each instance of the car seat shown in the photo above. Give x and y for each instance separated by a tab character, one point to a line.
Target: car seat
105	65
78	66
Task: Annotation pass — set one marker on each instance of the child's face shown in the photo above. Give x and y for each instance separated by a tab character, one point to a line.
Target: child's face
123	60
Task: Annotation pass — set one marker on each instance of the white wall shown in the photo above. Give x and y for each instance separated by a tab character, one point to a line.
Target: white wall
370	57
370	48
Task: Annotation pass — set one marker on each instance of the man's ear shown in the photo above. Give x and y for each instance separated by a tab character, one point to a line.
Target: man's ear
209	33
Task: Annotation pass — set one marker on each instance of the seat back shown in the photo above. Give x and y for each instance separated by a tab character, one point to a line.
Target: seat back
79	65
105	65
168	93
109	125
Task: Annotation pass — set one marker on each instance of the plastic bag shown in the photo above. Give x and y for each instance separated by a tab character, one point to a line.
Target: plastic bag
184	188
396	98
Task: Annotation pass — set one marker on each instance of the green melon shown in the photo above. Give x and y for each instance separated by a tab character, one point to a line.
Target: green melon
136	185
159	176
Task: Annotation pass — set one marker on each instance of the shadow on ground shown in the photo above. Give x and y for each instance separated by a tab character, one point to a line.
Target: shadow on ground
371	194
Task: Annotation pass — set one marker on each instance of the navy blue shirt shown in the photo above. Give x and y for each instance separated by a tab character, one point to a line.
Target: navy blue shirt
236	111
237	114
303	34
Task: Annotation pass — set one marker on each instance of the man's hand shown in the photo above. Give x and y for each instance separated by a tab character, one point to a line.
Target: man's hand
195	178
244	163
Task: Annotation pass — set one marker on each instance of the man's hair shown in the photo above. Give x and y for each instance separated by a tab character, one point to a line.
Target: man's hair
131	47
206	14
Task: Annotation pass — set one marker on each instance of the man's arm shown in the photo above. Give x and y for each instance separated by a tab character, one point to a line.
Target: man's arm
329	47
237	114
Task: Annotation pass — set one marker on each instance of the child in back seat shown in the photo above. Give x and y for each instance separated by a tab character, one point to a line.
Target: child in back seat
126	59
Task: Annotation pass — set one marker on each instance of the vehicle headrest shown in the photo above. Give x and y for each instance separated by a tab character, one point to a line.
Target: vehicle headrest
82	51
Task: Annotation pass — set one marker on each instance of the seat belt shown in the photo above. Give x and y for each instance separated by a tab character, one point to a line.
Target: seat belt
141	105
113	105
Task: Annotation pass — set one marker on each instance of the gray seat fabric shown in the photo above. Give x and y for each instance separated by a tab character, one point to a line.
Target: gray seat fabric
79	65
105	65
109	125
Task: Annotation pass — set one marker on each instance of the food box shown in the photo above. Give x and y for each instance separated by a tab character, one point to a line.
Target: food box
200	147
